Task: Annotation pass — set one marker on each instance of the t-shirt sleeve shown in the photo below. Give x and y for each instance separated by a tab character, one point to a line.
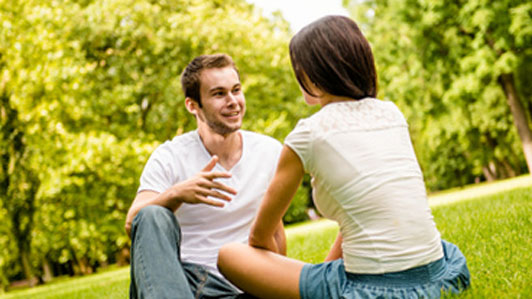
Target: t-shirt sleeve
276	148
299	140
156	175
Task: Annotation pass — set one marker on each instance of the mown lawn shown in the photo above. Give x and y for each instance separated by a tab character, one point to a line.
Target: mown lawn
493	231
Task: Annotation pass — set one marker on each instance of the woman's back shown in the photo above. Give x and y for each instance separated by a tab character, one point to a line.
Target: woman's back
366	177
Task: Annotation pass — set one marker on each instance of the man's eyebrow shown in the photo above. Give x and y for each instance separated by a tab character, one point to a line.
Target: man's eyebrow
216	88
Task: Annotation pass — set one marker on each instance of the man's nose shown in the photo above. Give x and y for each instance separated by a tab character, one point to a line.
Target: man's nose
231	99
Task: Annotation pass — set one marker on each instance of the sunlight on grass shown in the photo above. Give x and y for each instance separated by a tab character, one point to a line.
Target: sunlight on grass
490	223
310	242
478	190
494	234
109	284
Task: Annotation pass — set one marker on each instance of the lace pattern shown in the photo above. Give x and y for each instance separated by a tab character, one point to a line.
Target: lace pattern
363	115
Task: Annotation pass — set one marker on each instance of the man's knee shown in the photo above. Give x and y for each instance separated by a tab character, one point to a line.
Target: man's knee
156	215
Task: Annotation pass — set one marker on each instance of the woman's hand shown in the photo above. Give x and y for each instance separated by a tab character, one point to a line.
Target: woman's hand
336	249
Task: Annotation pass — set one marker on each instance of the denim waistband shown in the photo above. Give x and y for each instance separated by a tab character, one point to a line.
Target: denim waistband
422	274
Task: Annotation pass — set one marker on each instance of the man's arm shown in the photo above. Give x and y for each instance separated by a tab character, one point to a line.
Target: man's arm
146	198
193	191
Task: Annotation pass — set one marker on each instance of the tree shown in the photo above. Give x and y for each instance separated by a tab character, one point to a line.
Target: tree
89	88
457	70
18	182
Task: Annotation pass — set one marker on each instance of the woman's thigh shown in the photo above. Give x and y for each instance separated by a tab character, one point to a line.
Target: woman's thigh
260	272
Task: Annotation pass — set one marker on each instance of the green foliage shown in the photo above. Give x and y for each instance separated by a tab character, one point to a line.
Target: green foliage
8	262
298	207
297	211
442	63
90	88
82	205
18	186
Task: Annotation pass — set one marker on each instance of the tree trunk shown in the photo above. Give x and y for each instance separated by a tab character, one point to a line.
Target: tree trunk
510	171
27	269
47	271
489	172
519	116
122	257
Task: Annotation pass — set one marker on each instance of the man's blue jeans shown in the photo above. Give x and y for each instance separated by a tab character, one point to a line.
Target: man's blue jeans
156	267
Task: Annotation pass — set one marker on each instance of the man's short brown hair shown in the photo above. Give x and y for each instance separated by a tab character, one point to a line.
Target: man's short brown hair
190	78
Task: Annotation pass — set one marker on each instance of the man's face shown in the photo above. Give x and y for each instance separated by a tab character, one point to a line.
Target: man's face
222	99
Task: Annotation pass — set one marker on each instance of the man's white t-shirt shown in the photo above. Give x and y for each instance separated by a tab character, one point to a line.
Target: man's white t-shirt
206	228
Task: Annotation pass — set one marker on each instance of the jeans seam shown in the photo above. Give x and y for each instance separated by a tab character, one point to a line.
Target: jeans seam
201	285
142	267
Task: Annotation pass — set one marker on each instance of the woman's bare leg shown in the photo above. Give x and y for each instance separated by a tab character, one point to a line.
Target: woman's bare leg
259	272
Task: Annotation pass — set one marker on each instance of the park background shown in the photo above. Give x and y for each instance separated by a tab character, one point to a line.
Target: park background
89	88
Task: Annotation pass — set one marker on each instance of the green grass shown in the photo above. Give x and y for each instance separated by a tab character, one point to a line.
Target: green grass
112	283
493	230
495	235
470	192
310	242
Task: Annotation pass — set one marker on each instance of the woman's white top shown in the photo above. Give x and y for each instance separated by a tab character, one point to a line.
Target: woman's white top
365	176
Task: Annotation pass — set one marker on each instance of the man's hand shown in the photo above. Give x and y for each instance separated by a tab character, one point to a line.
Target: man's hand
193	191
198	188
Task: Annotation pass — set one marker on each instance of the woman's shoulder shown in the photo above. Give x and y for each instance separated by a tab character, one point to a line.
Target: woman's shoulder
365	114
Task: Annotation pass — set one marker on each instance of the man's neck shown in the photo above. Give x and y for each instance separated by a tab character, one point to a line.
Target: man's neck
228	148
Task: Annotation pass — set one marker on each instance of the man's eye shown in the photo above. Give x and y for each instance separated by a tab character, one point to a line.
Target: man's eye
219	94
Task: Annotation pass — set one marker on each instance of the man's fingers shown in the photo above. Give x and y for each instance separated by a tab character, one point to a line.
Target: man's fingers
219	195
217	175
208	201
208	185
211	164
206	191
222	187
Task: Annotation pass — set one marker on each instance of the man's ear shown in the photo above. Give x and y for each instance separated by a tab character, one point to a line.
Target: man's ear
192	106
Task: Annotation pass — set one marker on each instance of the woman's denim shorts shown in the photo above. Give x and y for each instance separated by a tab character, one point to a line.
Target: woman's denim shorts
330	280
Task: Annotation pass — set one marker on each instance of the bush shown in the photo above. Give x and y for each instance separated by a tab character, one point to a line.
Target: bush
298	207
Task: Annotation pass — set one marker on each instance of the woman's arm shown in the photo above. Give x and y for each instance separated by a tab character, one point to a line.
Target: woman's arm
282	188
336	249
280	239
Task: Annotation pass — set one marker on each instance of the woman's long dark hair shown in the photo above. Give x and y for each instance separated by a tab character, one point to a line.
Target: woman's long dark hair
335	56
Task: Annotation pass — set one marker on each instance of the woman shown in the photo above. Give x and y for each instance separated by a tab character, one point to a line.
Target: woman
365	176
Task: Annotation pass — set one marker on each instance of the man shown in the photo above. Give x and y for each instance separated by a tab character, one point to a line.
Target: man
200	190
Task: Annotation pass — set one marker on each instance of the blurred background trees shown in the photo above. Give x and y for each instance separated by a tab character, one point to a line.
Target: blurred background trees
88	89
459	72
